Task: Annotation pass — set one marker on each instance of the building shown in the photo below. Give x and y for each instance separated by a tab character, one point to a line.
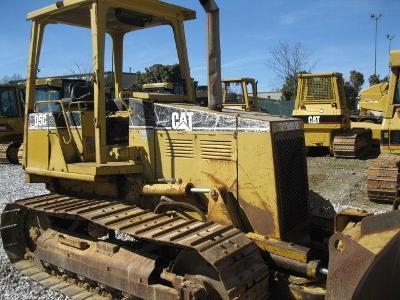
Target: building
270	95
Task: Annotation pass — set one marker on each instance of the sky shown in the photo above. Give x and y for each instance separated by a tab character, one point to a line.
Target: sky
339	35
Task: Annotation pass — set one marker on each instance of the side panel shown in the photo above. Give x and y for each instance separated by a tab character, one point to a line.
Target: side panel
51	146
38	149
236	156
257	185
273	187
206	160
390	135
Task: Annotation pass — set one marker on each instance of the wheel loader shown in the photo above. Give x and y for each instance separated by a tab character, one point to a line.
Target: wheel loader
182	201
321	105
383	172
11	121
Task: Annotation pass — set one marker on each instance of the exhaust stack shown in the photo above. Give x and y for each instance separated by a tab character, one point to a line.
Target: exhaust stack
214	55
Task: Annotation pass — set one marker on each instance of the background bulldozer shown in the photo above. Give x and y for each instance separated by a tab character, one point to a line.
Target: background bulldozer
240	93
12	111
11	122
383	172
179	201
321	104
237	93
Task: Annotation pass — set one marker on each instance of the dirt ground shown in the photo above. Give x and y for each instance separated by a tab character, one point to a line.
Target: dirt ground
343	182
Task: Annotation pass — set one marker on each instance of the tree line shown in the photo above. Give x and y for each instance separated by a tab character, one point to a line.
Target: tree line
11	79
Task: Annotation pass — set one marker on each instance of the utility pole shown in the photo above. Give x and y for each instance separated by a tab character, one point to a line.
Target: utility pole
376	17
390	37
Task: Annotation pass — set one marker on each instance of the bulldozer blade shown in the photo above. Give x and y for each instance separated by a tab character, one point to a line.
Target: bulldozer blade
365	267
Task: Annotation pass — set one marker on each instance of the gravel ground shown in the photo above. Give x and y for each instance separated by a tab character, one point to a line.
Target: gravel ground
342	182
14	285
339	181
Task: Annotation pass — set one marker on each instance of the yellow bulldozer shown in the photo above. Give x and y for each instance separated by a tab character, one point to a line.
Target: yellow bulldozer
237	93
383	172
240	94
182	201
321	105
11	121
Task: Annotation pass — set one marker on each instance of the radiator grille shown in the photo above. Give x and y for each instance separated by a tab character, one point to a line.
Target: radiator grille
317	89
179	148
292	182
216	149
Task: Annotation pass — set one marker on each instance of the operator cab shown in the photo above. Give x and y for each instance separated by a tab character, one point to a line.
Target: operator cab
240	94
50	93
11	102
60	116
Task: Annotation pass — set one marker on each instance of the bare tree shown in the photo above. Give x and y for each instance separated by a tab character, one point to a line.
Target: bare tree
289	60
82	71
5	79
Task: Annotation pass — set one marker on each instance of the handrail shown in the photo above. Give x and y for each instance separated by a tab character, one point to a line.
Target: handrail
78	104
64	115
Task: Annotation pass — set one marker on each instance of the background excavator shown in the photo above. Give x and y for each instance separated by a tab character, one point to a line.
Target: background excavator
372	105
169	200
321	105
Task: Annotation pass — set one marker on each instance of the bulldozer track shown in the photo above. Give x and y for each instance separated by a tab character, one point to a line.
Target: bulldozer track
237	260
351	145
383	183
56	283
4	158
3	152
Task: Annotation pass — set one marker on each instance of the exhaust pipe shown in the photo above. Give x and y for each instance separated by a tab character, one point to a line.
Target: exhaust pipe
214	55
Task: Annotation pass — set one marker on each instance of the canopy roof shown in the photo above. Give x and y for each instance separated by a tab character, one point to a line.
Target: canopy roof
122	16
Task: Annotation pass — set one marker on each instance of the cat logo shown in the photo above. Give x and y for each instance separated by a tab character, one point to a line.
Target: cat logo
182	121
313	119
